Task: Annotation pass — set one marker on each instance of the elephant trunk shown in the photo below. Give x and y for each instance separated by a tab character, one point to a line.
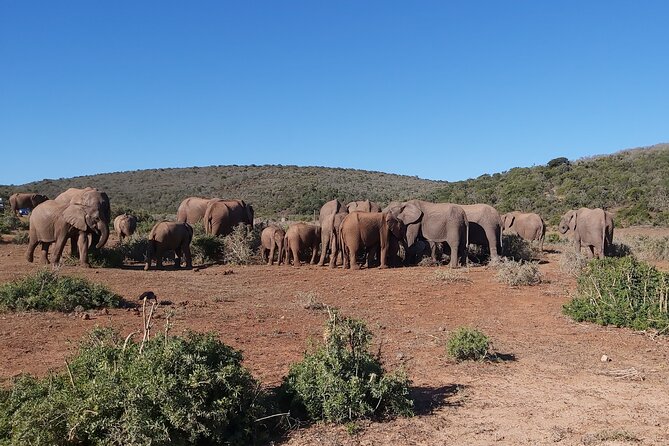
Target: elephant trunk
104	234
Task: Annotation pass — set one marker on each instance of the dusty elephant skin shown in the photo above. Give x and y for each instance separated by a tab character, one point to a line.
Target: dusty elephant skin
271	241
54	222
221	216
371	231
167	236
300	236
97	204
485	227
326	222
590	228
25	201
125	226
192	209
529	226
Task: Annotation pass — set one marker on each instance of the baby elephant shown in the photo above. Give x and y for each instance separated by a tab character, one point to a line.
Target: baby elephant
271	238
125	225
167	236
301	236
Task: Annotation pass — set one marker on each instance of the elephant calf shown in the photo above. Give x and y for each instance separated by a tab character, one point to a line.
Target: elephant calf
370	230
529	226
299	237
125	225
271	238
592	228
167	236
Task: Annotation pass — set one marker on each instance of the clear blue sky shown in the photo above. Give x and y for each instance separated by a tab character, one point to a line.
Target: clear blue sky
437	89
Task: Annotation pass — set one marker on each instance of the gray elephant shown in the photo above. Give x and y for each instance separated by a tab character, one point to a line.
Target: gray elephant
592	228
125	225
221	216
363	206
192	209
25	201
97	203
169	236
438	223
336	253
326	222
271	240
299	237
54	222
369	230
529	226
485	227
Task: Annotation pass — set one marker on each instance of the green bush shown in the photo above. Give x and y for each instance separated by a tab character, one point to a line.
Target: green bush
10	222
342	381
189	390
21	238
572	262
207	248
468	344
624	292
47	290
517	248
554	238
518	273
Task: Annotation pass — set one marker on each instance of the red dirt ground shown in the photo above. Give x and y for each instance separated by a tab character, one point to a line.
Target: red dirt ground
552	389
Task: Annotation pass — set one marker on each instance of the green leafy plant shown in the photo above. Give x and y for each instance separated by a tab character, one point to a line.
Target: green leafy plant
517	248
21	238
184	390
624	292
10	222
341	381
207	248
47	290
468	344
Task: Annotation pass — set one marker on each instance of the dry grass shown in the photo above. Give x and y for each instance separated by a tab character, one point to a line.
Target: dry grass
449	275
518	273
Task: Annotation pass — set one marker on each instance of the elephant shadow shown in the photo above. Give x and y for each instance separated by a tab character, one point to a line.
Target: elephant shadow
427	399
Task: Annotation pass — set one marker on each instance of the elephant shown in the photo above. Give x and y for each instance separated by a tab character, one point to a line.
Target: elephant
25	201
192	209
300	236
335	243
168	236
437	223
125	225
56	222
97	204
529	226
271	238
485	227
221	216
363	206
370	230
326	221
592	228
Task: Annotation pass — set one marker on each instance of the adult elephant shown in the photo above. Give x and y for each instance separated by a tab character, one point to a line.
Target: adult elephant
56	222
192	209
169	236
592	228
125	225
326	221
335	243
369	230
528	225
363	206
271	240
221	216
96	203
438	223
299	237
485	227
25	201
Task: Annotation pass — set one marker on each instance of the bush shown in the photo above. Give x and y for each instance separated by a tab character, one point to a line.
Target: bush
46	290
239	246
171	390
647	248
341	381
618	250
518	273
554	238
624	292
517	248
572	262
21	238
449	275
207	248
468	344
10	222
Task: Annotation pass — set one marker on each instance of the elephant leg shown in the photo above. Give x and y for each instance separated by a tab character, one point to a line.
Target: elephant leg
352	254
314	252
45	252
188	256
82	244
59	247
159	257
271	254
325	242
74	251
493	243
433	250
456	251
295	247
178	254
149	255
31	249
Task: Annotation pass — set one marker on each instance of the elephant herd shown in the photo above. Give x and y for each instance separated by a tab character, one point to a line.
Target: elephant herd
343	232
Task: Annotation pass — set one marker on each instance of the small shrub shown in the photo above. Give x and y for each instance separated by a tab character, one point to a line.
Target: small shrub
572	262
341	381
107	257
47	290
648	248
134	248
624	292
618	250
517	248
207	248
449	275
21	238
171	390
310	301
239	246
468	344
518	273
10	222
554	238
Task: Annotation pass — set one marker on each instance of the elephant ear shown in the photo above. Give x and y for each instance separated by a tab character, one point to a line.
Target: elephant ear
509	219
408	213
573	217
75	214
394	225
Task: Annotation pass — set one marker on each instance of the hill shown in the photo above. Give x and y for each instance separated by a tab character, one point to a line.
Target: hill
633	183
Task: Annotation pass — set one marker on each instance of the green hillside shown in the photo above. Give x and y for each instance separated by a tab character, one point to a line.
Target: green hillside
633	183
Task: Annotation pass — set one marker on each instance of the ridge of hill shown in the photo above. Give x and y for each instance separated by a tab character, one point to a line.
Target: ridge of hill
632	183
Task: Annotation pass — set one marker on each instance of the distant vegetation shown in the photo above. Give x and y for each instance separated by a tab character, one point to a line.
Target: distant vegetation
634	184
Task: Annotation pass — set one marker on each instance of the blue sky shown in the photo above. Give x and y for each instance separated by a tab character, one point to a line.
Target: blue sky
437	89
